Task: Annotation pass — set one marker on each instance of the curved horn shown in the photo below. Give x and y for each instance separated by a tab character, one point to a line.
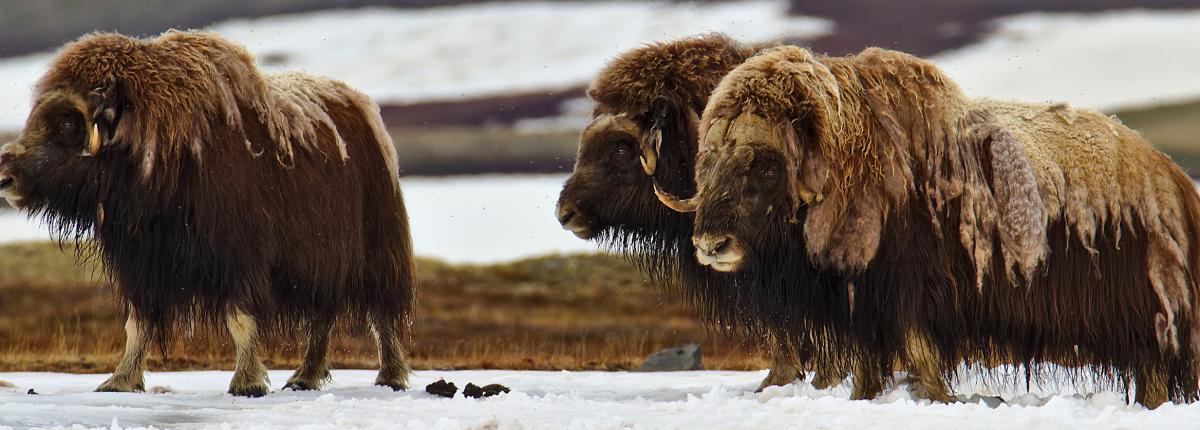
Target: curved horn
93	140
649	157
675	203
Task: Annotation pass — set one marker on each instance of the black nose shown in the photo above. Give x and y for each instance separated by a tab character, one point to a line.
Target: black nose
6	182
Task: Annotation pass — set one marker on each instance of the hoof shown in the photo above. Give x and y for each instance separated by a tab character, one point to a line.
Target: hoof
770	382
825	381
115	385
250	390
299	385
394	385
779	377
938	393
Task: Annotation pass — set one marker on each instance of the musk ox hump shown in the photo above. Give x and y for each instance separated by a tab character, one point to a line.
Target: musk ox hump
688	68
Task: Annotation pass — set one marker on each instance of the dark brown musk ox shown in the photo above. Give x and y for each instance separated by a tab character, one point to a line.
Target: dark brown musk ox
218	196
643	132
969	229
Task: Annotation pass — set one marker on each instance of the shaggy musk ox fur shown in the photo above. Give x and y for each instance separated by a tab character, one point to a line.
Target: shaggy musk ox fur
642	136
958	228
218	195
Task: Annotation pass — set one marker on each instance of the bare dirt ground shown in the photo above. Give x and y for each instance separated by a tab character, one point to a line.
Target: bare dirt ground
572	313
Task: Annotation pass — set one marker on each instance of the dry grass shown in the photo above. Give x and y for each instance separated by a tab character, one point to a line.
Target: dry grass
561	312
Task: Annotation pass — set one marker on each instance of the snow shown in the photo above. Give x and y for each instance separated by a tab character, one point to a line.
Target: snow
487	218
557	400
446	53
465	219
1107	60
1111	60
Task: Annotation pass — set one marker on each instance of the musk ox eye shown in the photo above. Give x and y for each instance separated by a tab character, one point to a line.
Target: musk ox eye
621	153
769	172
67	126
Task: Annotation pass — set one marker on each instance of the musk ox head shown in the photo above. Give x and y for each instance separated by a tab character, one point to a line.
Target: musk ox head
642	133
60	136
839	145
760	162
116	119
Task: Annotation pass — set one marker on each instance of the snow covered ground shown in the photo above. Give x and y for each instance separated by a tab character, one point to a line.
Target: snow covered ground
558	400
445	53
1104	60
465	219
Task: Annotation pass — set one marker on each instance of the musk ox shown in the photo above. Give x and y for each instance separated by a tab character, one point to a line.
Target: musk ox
970	229
216	195
642	133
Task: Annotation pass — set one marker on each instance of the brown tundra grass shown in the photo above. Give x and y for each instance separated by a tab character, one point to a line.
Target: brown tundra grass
580	312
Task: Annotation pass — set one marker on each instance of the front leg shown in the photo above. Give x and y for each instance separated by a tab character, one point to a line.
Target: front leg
127	377
249	375
785	365
868	371
926	361
315	369
393	359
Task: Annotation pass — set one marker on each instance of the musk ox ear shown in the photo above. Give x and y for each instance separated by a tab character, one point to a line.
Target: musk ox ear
651	143
1022	215
810	171
665	125
107	105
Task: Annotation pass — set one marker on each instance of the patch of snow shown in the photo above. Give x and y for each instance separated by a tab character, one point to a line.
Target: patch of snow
573	116
447	53
1106	61
487	218
559	400
18	227
17	78
463	219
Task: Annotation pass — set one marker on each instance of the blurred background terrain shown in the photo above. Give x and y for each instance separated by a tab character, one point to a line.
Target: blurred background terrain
485	101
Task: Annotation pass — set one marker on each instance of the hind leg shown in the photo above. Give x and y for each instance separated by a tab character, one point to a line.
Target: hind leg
393	358
314	371
926	361
249	375
128	375
1183	384
785	365
1152	386
868	377
828	369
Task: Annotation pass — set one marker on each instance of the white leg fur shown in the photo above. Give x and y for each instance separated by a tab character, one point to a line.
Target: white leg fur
249	376
128	375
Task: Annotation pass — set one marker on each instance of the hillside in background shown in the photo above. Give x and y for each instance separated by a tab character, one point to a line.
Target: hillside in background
475	87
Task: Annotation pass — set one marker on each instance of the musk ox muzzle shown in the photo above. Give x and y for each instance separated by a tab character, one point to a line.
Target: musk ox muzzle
721	252
9	188
572	219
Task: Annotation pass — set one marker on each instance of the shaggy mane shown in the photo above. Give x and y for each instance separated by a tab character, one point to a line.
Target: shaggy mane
1024	191
199	76
688	68
217	184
